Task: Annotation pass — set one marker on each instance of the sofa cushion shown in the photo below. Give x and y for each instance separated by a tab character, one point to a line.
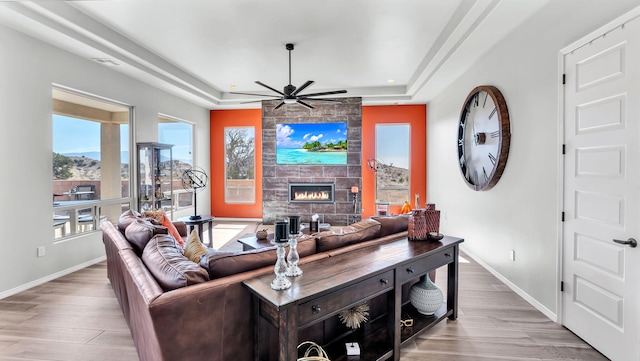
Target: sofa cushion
358	232
140	231
222	264
171	269
392	224
127	218
161	217
193	248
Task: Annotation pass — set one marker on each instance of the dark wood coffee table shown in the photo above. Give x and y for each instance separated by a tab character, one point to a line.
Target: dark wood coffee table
250	241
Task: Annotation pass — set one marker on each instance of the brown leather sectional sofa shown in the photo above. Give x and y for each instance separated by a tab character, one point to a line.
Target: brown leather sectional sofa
208	316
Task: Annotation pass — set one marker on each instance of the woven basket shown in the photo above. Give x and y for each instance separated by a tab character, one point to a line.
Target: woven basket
321	354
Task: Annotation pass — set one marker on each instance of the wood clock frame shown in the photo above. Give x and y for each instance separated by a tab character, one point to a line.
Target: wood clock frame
484	137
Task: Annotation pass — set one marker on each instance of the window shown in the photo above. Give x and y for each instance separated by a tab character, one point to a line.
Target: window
90	161
178	133
239	147
392	158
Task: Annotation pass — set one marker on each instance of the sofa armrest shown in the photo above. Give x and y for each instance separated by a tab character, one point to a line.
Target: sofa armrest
213	320
182	228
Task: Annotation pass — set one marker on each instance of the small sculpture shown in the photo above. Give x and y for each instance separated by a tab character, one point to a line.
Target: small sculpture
262	234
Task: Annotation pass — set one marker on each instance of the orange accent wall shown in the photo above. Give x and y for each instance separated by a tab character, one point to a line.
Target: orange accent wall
219	119
416	116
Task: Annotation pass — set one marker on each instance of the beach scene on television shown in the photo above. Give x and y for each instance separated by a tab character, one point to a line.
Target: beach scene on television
317	143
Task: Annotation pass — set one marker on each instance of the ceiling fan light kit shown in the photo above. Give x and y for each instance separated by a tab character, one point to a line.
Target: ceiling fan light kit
291	94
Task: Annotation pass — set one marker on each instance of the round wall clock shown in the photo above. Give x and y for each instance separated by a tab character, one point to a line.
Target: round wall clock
484	135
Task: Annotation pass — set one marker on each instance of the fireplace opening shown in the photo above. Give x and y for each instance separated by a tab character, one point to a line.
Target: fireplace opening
311	192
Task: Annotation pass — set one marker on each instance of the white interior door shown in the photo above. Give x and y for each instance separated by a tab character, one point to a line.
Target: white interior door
601	278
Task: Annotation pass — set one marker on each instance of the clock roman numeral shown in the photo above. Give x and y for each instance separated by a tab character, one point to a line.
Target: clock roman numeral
493	112
460	142
492	158
486	95
495	134
476	99
486	177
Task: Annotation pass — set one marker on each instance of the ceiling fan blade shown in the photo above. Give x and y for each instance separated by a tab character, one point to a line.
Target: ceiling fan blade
256	101
278	106
259	95
321	100
308	106
303	87
324	93
268	87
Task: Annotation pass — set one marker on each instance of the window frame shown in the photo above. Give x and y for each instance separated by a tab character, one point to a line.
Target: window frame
72	103
380	158
178	191
253	190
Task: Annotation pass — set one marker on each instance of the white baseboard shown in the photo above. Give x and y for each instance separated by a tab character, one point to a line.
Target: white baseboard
50	277
540	307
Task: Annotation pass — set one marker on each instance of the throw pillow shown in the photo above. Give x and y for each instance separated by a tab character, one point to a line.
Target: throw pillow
139	232
193	248
169	266
127	218
161	216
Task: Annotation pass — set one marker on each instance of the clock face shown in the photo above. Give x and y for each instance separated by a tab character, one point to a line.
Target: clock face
483	137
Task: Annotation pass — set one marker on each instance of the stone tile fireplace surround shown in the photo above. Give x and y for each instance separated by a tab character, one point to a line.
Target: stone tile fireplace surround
277	177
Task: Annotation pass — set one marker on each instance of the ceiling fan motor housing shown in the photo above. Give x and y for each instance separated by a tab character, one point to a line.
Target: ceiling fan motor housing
289	89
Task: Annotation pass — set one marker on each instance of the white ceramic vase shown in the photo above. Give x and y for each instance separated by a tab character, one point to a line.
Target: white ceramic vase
425	296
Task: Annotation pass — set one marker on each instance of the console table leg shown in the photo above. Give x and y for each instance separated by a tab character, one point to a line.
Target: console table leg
287	335
394	309
452	285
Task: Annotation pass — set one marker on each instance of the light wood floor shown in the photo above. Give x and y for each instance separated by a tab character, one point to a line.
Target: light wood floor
77	318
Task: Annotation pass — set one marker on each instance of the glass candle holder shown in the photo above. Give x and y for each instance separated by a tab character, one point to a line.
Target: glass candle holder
293	270
280	282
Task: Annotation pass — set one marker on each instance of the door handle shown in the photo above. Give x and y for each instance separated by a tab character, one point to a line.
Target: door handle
631	242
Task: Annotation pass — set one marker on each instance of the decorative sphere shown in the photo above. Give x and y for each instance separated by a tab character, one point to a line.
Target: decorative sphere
194	179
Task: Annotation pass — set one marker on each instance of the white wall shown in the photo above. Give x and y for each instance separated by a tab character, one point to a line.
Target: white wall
29	68
522	211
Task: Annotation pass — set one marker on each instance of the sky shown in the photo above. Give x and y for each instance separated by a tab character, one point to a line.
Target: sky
392	144
72	135
296	135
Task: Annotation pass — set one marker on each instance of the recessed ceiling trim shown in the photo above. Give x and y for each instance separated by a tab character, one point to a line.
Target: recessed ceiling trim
70	22
466	19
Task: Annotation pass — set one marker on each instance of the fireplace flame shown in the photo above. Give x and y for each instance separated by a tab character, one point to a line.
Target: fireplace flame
311	196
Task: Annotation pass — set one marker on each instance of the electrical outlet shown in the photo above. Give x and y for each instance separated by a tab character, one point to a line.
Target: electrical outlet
41	251
512	254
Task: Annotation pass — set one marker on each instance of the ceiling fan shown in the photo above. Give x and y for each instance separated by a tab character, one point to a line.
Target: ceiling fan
291	94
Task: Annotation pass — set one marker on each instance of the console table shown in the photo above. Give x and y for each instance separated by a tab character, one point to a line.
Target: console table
340	281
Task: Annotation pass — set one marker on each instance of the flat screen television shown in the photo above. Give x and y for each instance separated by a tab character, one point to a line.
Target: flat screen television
316	143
